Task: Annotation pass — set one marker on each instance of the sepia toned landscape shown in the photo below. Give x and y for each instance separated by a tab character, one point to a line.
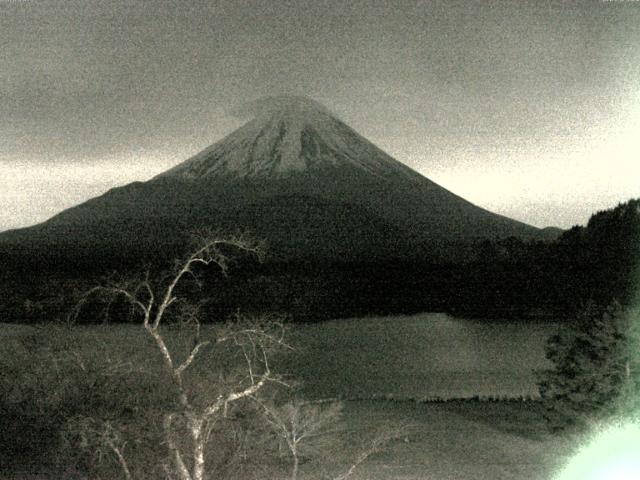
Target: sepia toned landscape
348	240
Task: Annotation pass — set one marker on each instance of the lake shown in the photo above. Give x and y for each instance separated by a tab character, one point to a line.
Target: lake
420	357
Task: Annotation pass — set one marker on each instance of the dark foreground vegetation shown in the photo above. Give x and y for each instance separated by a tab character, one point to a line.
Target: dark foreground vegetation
596	369
507	278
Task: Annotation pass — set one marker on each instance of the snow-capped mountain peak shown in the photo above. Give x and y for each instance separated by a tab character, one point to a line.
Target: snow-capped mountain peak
289	135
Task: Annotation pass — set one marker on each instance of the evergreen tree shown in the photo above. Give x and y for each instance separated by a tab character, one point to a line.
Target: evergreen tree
595	371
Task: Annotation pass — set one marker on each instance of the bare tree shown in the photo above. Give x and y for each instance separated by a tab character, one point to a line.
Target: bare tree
253	338
381	439
203	396
101	437
306	428
310	429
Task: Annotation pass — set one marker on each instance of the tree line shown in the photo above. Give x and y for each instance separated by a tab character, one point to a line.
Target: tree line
502	278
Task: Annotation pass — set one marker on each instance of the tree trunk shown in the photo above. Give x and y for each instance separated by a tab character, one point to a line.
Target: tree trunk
294	470
198	449
181	468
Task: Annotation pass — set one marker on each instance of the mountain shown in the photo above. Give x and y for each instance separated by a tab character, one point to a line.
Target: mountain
296	176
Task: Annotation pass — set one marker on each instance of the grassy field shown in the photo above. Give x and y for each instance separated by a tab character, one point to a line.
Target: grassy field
398	358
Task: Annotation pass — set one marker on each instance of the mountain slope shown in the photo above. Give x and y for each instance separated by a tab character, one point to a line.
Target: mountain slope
294	175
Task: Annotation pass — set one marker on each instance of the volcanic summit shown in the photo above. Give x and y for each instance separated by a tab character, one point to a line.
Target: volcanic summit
290	135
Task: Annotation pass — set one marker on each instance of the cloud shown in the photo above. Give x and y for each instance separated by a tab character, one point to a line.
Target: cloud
268	104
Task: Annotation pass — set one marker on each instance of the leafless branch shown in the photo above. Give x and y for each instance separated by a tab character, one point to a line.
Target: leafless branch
97	435
377	444
192	355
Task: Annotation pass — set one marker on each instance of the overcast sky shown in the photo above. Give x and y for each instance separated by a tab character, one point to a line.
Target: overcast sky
530	109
